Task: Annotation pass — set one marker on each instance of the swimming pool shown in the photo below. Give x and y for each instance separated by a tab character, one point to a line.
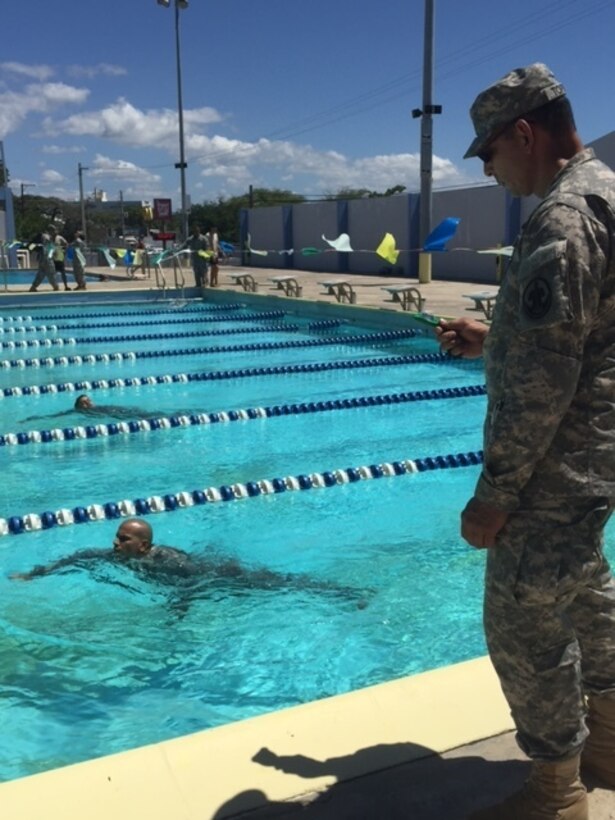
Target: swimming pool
26	277
376	582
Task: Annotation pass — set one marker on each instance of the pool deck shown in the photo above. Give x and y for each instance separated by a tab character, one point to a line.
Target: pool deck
433	746
443	298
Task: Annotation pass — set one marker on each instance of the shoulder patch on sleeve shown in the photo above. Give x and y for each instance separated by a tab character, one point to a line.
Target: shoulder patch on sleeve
543	280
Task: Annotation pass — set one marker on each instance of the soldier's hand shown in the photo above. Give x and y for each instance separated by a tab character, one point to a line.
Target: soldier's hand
480	523
462	337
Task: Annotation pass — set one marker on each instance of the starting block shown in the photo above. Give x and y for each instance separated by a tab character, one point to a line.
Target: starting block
408	296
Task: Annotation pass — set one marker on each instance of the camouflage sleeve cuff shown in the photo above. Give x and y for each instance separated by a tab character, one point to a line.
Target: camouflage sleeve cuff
488	494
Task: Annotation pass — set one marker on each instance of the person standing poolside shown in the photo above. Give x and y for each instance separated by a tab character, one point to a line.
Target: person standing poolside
198	244
214	260
138	260
46	268
59	253
78	246
547	486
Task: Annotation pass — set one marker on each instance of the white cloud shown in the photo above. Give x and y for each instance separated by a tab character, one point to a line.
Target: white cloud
121	170
106	69
36	72
238	163
123	123
15	106
63	149
91	71
50	177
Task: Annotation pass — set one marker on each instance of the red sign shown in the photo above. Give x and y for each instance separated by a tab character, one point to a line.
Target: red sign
162	209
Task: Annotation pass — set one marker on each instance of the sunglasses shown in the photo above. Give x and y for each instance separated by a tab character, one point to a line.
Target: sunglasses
486	154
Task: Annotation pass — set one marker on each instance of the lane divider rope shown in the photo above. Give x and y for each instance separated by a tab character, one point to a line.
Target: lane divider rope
31	522
187	334
364	338
198	419
5	363
192	321
212	375
205	308
21	343
33	329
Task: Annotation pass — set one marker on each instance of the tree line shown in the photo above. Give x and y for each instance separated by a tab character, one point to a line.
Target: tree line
35	213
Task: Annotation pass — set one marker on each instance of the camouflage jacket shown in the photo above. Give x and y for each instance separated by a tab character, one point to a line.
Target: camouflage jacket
550	351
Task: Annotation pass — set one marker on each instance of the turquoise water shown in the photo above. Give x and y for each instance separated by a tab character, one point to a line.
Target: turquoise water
25	277
376	582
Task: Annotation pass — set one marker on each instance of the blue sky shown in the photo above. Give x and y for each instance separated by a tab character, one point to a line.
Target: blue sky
310	96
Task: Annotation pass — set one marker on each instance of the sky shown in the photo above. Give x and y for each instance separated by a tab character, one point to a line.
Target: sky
310	96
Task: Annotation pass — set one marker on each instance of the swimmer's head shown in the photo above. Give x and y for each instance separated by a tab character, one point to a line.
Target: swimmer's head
83	402
133	538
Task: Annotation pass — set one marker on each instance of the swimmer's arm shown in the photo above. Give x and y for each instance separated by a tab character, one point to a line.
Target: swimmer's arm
50	415
70	560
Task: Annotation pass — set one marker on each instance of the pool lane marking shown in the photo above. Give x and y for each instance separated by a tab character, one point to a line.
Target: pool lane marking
59	341
32	522
148	312
200	419
212	375
249	317
363	338
11	331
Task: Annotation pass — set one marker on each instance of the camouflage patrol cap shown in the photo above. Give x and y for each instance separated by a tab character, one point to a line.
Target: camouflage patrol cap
516	94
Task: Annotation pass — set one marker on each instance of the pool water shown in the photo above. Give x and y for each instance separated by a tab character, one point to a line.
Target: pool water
374	580
26	277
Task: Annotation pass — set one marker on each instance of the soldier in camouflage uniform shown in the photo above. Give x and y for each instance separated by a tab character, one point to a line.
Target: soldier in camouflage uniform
547	487
46	268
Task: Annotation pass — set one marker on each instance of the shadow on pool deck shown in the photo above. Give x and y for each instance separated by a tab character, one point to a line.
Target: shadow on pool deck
438	787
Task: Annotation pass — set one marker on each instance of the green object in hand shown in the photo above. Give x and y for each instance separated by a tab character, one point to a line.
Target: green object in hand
426	319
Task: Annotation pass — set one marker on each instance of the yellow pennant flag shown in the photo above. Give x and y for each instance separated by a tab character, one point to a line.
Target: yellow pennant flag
387	250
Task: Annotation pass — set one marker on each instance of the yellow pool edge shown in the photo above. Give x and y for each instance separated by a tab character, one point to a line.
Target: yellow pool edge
194	777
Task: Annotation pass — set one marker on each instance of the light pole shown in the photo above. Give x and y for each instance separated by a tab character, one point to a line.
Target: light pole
428	110
81	168
182	164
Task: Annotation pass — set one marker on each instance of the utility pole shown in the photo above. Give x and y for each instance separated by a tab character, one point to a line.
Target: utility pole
426	114
84	227
182	164
122	207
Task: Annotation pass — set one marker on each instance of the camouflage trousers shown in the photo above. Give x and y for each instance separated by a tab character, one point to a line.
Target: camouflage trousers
550	621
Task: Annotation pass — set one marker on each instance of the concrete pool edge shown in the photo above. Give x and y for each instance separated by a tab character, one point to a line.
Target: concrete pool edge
213	774
376	317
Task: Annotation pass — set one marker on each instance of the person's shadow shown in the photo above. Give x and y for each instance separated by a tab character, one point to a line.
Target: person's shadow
384	782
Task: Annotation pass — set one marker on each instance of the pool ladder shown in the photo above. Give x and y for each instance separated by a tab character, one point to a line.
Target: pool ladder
178	277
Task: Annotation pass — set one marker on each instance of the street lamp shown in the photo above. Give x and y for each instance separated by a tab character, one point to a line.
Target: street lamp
182	164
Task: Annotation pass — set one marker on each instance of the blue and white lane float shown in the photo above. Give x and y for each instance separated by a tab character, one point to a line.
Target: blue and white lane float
323	324
11	331
104	325
363	338
31	522
212	375
21	343
15	319
204	309
247	414
187	334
